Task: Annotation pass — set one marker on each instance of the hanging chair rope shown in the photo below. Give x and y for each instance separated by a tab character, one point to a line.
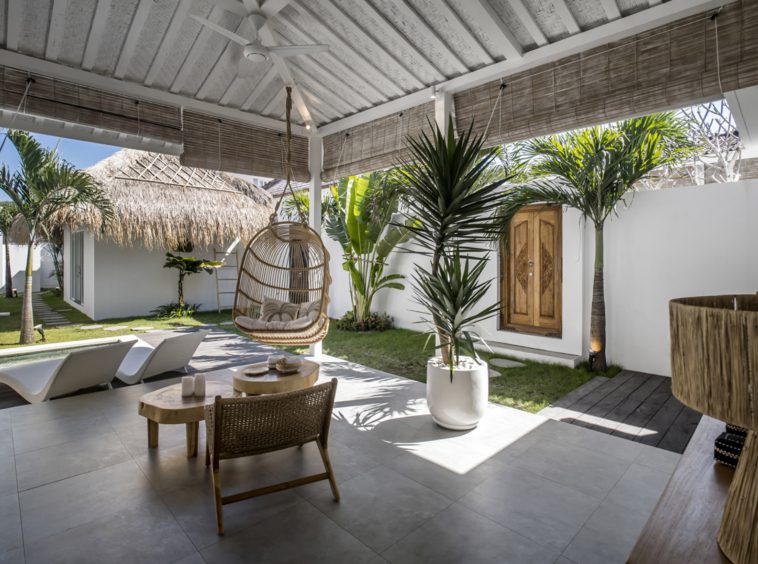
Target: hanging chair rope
288	166
285	266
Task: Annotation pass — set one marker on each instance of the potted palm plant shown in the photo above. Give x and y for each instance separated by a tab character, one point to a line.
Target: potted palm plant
457	388
451	195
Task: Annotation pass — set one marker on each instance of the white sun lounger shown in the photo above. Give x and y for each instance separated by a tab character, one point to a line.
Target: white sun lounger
146	361
45	379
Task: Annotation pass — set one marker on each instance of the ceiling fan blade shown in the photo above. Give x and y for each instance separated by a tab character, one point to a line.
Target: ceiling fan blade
222	30
295	50
247	69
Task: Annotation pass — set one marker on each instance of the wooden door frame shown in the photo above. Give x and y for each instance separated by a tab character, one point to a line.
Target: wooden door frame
505	274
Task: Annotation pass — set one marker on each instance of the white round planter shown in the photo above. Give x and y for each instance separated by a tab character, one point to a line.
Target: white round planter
458	404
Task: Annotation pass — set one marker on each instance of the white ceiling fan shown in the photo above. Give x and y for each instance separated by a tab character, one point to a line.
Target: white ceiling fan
253	50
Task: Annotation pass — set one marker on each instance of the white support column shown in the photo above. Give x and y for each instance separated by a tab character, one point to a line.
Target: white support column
444	107
315	162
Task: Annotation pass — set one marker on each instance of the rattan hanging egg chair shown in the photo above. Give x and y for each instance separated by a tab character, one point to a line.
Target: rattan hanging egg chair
282	291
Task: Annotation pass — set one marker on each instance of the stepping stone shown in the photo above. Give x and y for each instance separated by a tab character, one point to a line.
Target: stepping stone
494	373
116	328
62	310
227	323
90	327
5	313
142	328
506	363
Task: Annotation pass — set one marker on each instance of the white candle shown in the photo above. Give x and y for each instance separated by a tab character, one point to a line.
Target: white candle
200	385
188	386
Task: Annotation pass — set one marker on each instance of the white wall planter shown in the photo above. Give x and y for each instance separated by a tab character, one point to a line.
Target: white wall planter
460	404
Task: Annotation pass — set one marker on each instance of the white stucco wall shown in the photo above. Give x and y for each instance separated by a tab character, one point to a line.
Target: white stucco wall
47	277
131	281
18	267
669	243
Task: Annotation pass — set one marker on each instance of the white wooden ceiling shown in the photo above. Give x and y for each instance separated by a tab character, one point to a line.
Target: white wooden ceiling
381	50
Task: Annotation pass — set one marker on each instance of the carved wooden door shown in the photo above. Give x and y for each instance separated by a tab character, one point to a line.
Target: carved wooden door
531	272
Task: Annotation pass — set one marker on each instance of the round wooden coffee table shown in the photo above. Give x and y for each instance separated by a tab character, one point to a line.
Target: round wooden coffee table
167	406
272	382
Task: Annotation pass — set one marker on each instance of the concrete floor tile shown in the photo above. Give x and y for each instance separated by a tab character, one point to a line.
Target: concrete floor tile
457	534
10	523
14	556
8	483
538	508
639	488
299	534
380	506
564	433
57	462
36	435
658	459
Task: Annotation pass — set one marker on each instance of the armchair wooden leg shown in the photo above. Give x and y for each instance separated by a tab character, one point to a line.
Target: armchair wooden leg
219	501
329	471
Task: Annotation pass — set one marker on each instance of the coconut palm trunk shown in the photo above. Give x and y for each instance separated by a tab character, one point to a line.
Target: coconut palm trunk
8	271
597	323
181	289
27	313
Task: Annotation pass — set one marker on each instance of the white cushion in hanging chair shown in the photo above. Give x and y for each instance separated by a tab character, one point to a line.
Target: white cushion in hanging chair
251	324
278	310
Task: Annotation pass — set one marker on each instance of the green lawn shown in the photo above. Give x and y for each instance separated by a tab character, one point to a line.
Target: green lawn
397	351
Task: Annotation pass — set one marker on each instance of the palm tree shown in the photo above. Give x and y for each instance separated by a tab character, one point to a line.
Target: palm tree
8	213
43	186
591	171
451	193
187	266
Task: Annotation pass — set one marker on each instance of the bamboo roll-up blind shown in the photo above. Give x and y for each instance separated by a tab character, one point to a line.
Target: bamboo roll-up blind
374	145
67	101
210	142
669	67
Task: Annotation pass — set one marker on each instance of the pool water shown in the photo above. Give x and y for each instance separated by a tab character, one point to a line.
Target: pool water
25	358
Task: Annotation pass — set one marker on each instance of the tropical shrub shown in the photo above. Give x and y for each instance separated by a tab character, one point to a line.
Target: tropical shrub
373	322
175	310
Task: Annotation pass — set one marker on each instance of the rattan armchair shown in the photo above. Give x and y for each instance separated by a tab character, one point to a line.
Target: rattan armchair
238	427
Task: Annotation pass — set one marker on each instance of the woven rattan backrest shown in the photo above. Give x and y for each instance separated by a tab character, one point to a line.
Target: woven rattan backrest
285	261
252	425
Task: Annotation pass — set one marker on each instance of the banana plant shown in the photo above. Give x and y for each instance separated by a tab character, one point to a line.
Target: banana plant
362	223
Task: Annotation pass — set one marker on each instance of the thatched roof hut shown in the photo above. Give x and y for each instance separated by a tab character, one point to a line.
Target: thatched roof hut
160	204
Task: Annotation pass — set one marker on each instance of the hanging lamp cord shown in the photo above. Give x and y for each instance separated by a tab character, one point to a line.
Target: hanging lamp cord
288	166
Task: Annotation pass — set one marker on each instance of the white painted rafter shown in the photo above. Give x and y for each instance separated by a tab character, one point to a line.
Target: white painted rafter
611	9
262	84
458	25
568	19
228	52
495	28
528	21
314	85
189	66
131	89
632	24
97	28
277	101
172	33
410	15
346	21
57	29
139	20
337	45
386	28
13	24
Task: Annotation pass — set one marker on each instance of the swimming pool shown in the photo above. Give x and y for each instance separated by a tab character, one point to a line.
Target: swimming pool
34	353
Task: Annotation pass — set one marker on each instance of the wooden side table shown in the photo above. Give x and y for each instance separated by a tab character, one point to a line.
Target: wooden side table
167	406
273	382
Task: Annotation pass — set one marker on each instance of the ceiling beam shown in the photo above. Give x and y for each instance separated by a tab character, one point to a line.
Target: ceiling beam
13	25
197	50
132	39
131	89
328	93
169	38
267	36
96	30
495	28
347	74
262	84
388	30
458	25
338	45
652	3
528	21
627	26
399	65
271	8
57	29
410	15
568	19
611	9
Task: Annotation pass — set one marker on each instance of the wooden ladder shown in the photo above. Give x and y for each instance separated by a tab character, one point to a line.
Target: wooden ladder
225	274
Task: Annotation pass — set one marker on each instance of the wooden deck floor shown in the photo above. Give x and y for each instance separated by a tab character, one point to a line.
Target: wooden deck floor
633	405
